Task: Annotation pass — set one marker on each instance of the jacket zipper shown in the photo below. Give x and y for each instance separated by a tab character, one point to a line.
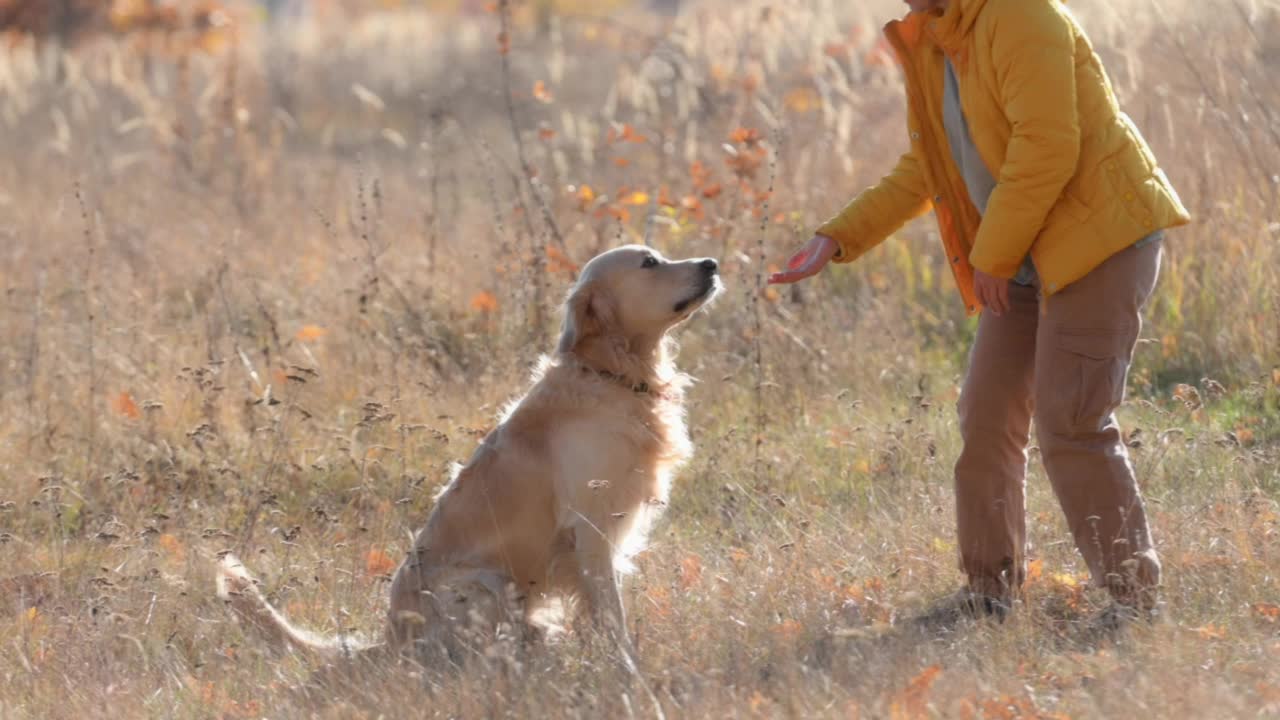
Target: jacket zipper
946	193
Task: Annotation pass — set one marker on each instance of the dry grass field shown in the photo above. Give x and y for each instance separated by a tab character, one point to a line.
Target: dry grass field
265	280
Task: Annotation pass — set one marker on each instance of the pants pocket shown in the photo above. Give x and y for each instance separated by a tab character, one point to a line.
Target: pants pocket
1093	366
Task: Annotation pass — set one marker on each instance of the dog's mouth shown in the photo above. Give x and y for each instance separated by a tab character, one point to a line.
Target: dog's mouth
705	292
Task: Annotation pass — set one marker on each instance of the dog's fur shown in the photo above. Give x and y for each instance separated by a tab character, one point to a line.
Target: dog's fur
562	493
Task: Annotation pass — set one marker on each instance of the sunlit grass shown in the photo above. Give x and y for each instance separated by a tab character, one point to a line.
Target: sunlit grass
316	270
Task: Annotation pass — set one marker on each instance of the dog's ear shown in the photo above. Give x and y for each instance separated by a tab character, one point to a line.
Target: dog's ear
589	313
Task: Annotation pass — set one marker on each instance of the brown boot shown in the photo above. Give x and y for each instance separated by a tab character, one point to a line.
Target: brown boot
962	606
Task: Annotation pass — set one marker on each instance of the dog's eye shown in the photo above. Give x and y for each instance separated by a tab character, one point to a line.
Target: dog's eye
649	262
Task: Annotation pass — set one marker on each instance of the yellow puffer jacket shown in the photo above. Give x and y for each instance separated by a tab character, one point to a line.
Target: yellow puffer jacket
1076	182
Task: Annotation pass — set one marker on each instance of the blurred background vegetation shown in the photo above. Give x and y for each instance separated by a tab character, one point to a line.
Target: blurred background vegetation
269	269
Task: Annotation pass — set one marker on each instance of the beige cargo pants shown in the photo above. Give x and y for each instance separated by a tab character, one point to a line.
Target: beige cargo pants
1064	365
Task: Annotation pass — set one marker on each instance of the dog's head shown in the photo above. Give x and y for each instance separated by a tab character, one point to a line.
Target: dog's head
628	298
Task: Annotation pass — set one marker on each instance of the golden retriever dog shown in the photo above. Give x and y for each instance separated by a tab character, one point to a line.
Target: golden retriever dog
561	493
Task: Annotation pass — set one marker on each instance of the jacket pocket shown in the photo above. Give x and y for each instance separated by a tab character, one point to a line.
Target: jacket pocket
1131	182
1091	368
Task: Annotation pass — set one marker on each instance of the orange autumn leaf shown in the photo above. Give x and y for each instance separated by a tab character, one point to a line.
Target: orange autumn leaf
1210	632
660	599
788	628
627	133
311	333
1035	570
825	581
586	196
484	301
247	709
546	134
124	405
855	593
213	41
690	571
172	545
621	162
711	191
558	262
692	207
745	136
630	134
377	562
664	197
913	701
636	198
1267	611
744	165
699	173
541	93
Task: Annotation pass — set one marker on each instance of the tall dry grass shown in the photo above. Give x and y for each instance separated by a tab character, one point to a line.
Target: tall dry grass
259	294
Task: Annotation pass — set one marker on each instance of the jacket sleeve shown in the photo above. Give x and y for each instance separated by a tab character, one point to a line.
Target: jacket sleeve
1032	47
879	211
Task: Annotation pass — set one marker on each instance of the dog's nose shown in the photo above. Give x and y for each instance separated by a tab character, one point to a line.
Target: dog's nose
710	266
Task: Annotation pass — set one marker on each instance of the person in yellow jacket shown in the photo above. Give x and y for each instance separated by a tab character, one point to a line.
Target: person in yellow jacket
1051	209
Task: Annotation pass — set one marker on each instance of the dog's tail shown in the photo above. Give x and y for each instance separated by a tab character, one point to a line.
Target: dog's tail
240	590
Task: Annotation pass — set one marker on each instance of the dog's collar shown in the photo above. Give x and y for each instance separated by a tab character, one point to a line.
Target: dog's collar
640	388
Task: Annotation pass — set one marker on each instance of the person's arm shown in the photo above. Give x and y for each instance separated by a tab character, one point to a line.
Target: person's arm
1034	57
875	214
879	211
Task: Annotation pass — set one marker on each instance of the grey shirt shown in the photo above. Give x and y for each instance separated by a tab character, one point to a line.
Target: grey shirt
977	178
